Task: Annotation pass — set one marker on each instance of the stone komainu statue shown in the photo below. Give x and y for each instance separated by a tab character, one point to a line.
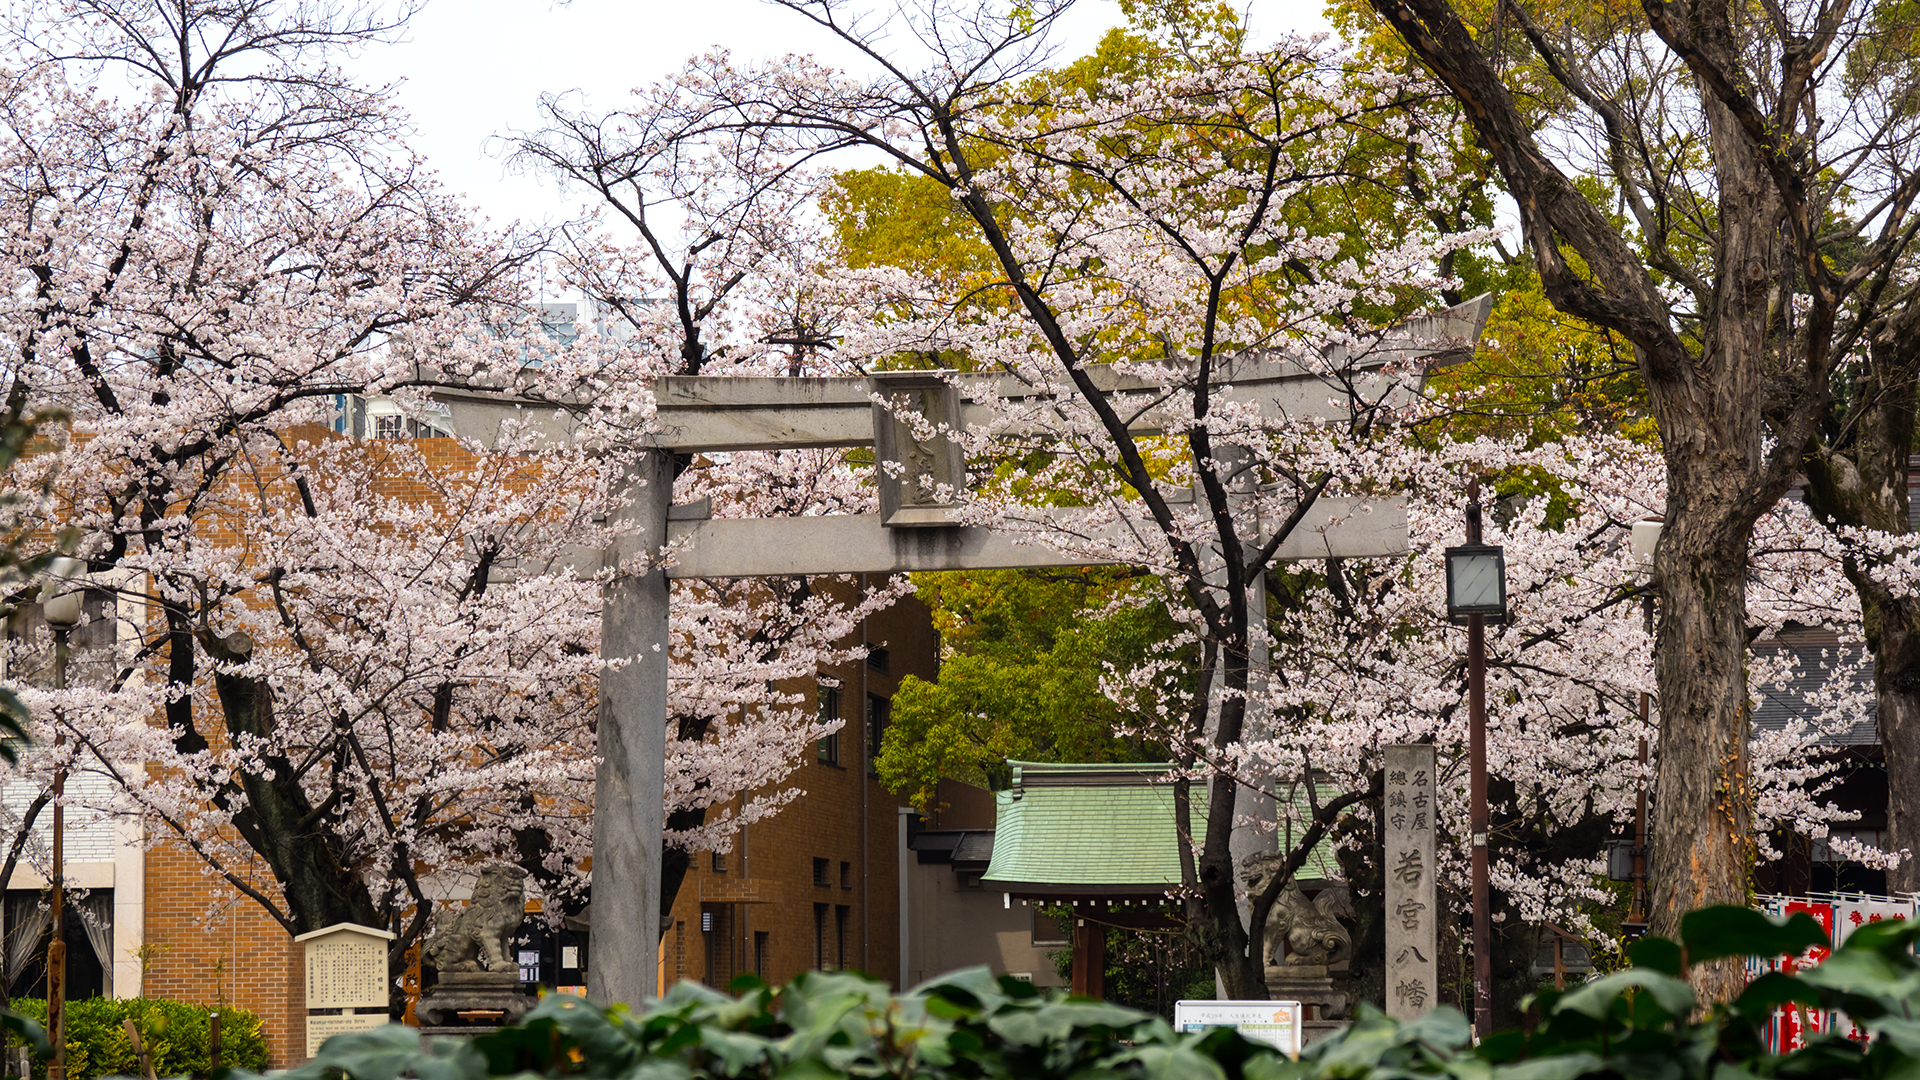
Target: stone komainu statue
474	938
1313	937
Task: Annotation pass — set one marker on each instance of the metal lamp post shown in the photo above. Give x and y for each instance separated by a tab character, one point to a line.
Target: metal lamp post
60	606
1477	591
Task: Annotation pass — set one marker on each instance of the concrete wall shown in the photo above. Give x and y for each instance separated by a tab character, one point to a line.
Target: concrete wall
953	923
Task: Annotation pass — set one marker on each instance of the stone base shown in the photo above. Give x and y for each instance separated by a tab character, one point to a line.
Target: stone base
1312	1031
463	1033
473	991
1311	986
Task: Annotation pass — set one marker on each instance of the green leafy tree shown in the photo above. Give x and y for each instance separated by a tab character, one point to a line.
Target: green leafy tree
1024	653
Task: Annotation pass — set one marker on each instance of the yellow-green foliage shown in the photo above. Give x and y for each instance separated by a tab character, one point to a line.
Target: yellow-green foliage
175	1033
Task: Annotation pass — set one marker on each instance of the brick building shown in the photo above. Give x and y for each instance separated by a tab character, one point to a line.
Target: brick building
817	885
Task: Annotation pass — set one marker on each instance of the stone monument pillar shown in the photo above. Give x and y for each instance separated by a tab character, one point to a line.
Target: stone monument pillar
1412	918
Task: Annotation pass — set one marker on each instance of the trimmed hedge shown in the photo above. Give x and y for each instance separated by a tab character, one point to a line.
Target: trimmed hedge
175	1033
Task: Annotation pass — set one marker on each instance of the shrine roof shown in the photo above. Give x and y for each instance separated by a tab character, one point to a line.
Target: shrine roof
1099	830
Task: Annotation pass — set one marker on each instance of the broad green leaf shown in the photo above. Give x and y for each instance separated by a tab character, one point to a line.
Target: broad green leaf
1658	954
1673	996
1716	932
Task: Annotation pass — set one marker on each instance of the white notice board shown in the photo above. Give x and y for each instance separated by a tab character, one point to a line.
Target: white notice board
1276	1023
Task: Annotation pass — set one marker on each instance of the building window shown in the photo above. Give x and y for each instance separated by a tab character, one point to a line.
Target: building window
389	426
760	950
879	711
829	749
719	862
840	936
820	872
846	875
877	658
820	937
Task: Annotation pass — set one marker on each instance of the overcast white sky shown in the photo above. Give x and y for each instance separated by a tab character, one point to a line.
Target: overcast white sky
474	69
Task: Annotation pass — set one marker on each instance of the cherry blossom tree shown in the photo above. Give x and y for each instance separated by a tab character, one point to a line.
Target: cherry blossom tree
368	661
1149	221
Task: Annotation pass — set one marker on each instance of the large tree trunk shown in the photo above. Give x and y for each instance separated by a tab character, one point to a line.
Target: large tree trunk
1702	840
1895	628
1747	351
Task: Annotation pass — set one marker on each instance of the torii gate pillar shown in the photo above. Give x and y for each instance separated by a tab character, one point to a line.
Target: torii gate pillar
624	950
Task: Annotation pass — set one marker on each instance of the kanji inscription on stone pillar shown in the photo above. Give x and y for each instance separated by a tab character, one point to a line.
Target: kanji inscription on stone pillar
1412	922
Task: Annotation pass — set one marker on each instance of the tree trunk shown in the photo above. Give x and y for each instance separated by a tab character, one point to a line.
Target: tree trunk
1515	946
1859	478
1743	356
1702	838
1364	870
1896	669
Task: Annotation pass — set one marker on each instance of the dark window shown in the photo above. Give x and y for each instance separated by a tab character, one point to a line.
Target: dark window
820	937
820	872
760	949
846	875
389	427
719	862
879	710
840	936
877	658
829	749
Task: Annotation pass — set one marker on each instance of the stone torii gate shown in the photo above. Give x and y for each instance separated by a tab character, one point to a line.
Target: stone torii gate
910	533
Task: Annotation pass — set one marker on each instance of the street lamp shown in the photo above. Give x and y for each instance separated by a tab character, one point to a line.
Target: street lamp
1476	592
60	605
1476	582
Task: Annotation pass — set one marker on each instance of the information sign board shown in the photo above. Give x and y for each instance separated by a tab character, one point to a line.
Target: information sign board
1276	1023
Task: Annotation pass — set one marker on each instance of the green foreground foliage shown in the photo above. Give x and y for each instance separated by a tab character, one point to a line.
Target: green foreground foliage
1637	1023
175	1034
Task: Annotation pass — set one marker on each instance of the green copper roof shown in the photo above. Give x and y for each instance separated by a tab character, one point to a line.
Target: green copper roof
1097	829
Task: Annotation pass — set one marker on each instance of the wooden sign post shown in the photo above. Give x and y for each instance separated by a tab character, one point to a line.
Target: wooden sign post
347	985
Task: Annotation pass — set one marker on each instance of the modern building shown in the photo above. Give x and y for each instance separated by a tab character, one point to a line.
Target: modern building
817	886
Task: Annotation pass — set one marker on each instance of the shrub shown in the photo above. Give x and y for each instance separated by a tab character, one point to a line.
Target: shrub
1642	1022
175	1033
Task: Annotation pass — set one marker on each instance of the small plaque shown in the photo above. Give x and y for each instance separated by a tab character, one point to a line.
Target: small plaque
322	1028
346	967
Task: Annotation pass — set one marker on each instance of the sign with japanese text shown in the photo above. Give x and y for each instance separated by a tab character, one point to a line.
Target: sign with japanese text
1413	970
1276	1023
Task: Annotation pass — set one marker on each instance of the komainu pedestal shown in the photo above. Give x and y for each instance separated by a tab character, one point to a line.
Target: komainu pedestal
475	992
1323	1010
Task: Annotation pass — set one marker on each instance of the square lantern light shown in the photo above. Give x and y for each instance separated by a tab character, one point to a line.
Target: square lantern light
1476	582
